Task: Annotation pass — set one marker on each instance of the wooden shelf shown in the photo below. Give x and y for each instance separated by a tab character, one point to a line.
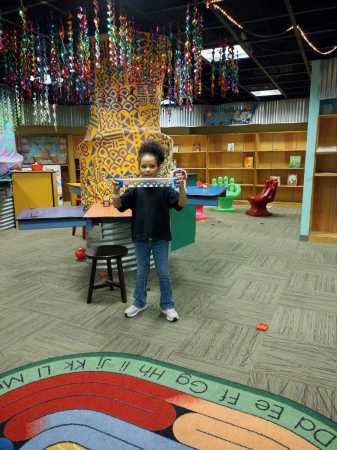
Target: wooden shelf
189	153
279	168
281	151
271	152
299	186
231	168
328	116
324	203
231	153
326	174
327	153
324	238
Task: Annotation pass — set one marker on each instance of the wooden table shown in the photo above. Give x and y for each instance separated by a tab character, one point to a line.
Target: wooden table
97	211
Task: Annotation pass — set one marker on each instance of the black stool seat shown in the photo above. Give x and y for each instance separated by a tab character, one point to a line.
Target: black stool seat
107	252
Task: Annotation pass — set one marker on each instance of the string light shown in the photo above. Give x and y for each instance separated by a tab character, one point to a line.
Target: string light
230	18
313	46
213	4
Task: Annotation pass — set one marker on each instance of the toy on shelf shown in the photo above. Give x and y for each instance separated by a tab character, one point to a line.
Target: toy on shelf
233	191
259	201
199	209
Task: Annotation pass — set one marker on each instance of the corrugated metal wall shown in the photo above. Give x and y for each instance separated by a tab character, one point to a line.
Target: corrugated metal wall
329	78
278	111
66	116
7	219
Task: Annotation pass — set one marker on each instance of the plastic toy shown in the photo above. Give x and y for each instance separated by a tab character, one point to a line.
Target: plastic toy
80	254
152	182
225	204
262	326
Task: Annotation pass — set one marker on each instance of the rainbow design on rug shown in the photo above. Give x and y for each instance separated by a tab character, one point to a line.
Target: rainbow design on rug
103	401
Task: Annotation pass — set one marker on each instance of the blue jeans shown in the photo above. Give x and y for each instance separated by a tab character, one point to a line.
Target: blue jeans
160	250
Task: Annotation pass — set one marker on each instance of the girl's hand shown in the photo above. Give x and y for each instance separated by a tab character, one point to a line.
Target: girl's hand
180	180
115	186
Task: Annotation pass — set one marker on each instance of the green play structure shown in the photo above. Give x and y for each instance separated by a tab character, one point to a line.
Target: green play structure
233	191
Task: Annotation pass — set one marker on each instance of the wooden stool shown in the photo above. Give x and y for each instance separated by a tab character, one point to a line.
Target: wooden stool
107	252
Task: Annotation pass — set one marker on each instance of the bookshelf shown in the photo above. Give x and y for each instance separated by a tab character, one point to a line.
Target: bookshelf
249	157
324	203
190	152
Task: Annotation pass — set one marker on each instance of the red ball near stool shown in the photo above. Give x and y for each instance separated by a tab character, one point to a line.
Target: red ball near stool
80	254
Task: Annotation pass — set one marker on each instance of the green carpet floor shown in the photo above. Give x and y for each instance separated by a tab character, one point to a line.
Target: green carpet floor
241	271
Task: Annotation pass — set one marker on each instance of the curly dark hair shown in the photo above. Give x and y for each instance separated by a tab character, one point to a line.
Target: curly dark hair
152	148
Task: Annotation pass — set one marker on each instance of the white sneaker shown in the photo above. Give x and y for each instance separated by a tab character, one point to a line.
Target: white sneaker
133	310
171	314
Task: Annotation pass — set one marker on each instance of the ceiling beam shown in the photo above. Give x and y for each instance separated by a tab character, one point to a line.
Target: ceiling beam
297	35
243	44
277	66
7	12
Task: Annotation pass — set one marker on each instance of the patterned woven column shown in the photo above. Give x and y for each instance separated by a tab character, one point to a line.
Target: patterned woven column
124	114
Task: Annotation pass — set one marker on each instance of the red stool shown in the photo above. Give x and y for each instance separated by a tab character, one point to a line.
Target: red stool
200	213
199	209
84	229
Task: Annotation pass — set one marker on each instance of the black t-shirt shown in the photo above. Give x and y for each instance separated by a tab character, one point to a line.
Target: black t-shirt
150	211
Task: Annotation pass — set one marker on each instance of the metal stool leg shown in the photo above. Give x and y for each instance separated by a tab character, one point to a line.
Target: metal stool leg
121	279
92	279
108	262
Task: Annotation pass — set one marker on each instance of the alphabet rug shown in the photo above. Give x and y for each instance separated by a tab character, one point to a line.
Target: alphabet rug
116	401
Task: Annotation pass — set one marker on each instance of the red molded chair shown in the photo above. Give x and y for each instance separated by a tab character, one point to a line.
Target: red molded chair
258	202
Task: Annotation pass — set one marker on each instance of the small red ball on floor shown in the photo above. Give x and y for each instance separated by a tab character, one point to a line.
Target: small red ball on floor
262	326
80	254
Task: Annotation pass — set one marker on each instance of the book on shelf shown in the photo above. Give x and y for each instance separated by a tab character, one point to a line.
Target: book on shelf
248	162
331	148
231	147
277	178
175	149
295	161
292	180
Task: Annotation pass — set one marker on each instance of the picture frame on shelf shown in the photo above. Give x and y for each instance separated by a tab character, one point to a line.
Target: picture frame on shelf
43	149
292	179
248	162
295	161
231	147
